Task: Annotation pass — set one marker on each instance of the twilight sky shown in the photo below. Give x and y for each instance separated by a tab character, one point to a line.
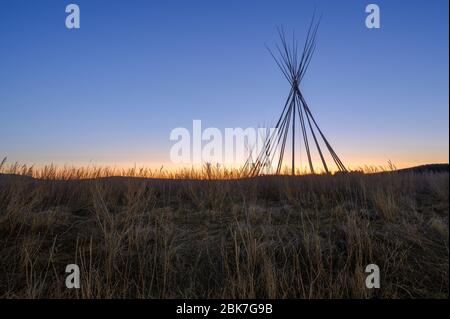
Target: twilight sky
112	91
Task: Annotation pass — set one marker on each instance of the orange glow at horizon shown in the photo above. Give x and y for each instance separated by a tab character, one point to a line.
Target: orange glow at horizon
356	164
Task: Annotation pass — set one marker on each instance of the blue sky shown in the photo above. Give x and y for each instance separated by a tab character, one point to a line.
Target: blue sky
111	91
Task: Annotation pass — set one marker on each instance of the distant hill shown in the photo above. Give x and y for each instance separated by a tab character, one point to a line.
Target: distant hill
428	168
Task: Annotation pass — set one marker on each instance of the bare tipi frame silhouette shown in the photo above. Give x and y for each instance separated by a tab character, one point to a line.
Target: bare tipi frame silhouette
293	66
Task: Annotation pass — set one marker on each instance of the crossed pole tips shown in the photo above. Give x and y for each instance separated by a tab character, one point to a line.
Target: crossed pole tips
293	66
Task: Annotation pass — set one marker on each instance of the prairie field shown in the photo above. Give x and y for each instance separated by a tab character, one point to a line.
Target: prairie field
308	236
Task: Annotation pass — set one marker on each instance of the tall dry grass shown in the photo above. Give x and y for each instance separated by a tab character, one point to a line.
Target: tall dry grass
206	171
270	237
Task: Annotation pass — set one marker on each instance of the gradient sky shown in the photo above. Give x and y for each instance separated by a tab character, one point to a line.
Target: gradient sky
111	92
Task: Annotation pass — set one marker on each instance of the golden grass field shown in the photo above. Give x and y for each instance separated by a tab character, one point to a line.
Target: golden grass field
207	234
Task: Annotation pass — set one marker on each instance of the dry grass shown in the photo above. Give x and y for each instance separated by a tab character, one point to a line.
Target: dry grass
270	237
207	171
